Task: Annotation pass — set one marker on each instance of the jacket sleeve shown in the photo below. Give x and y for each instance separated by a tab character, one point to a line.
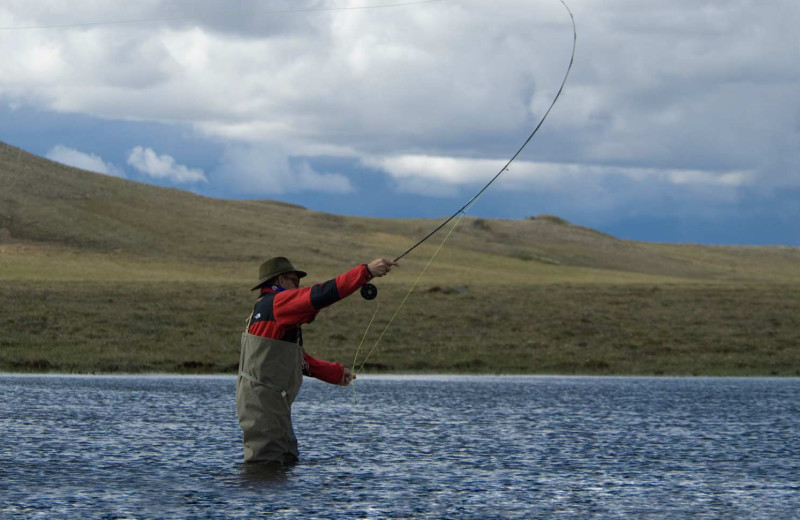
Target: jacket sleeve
300	306
323	370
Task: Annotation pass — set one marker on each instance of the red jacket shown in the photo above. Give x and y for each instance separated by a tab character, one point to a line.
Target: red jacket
279	313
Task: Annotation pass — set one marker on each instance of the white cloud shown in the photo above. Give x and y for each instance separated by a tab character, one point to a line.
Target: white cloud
260	170
157	166
440	176
448	170
82	160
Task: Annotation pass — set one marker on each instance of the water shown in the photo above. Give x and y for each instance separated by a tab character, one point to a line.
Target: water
441	447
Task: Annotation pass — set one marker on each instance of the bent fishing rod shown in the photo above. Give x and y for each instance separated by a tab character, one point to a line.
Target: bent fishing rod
369	291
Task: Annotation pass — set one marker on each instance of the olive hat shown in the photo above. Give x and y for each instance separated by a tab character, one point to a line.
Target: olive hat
276	267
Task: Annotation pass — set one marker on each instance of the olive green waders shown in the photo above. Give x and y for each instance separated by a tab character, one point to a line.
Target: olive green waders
270	375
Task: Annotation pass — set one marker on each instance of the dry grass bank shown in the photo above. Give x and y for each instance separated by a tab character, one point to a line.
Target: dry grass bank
545	329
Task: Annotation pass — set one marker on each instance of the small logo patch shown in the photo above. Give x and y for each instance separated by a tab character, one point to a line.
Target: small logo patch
257	316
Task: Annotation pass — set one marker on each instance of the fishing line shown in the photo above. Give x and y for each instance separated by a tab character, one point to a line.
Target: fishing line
187	18
371	292
375	346
353	386
413	286
363	337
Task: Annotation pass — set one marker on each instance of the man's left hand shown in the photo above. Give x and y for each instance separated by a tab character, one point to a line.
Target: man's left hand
347	376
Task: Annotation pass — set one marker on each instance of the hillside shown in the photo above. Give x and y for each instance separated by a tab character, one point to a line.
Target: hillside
45	203
103	274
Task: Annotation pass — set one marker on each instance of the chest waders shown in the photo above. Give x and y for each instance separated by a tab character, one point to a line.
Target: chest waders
270	375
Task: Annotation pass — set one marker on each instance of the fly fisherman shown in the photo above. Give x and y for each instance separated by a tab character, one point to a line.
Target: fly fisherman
273	362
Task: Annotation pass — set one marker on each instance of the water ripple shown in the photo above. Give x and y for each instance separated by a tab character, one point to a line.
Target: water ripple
459	447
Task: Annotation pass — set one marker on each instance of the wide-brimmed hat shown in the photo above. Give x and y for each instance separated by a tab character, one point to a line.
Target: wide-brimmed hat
275	267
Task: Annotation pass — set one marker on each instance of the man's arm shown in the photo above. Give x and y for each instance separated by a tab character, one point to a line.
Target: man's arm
330	372
300	306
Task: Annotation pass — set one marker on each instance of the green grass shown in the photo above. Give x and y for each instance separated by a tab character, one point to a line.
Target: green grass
99	274
545	329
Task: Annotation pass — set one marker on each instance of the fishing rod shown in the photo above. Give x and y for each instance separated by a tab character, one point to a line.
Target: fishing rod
369	291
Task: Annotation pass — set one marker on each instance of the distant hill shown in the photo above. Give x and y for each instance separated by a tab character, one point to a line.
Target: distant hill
43	202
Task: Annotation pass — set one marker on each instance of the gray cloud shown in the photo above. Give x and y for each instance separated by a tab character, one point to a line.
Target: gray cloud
256	171
708	87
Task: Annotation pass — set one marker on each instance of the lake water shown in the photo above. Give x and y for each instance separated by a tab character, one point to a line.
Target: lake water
413	447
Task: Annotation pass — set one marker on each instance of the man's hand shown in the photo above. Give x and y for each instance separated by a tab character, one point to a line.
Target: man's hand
380	266
347	376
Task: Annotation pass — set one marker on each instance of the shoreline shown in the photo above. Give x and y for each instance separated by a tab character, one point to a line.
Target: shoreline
397	376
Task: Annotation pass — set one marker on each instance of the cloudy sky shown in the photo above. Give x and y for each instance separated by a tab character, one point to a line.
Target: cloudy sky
680	121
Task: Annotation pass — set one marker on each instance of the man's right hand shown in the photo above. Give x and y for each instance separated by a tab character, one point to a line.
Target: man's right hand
380	266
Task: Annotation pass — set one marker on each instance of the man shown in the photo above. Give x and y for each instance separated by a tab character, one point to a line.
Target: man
272	361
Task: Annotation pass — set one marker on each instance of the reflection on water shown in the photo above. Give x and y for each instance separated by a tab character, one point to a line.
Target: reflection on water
449	447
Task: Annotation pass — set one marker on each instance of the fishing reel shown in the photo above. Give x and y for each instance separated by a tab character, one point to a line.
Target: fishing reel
369	291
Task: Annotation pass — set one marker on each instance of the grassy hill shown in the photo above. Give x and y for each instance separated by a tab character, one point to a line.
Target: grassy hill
103	274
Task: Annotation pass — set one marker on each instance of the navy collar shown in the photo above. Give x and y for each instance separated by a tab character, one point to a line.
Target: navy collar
275	289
